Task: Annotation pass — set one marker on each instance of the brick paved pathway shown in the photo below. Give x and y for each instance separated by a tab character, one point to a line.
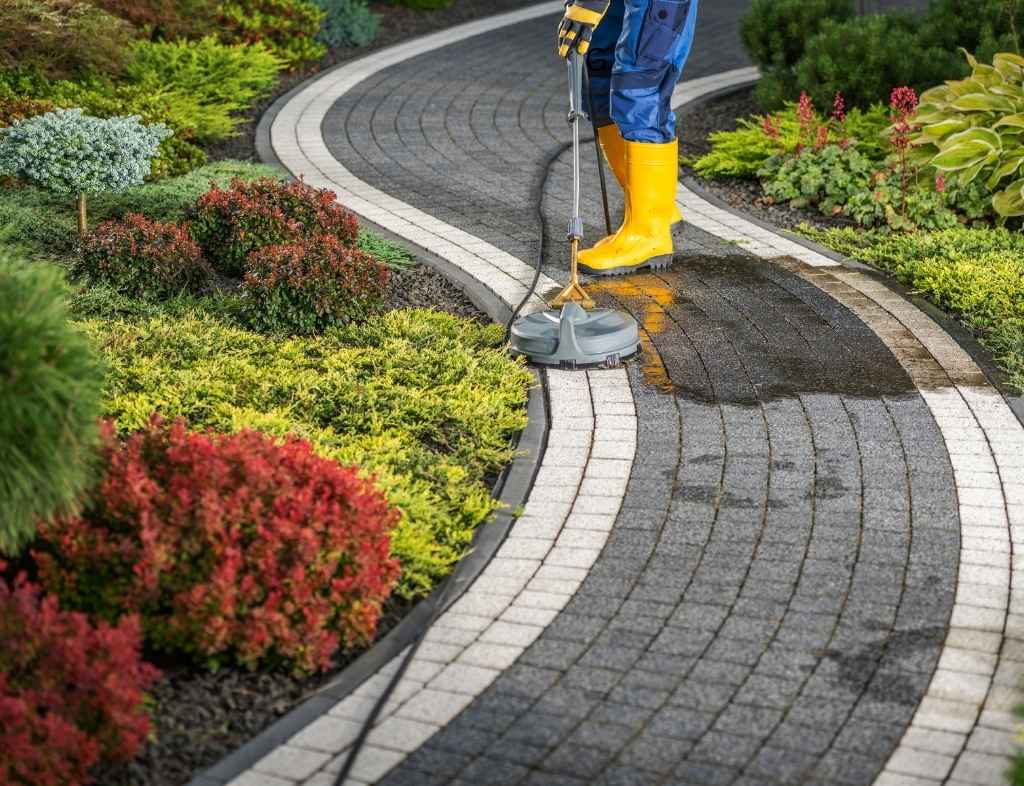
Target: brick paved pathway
778	549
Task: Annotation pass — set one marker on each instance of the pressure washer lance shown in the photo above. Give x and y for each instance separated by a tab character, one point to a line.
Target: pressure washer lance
576	335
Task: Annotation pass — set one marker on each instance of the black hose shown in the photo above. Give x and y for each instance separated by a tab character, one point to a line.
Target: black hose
597	149
371	719
439	607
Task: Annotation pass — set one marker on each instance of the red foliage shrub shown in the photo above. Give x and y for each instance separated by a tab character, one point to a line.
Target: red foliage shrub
228	545
162	19
143	258
14	108
230	223
307	286
71	694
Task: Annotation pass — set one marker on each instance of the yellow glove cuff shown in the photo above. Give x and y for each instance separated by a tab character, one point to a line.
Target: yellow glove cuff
584	15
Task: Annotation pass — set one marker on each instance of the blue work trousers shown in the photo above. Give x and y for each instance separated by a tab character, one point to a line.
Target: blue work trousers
636	56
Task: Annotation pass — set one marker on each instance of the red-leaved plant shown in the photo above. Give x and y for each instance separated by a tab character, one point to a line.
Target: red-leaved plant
307	286
71	693
231	223
143	258
903	103
228	546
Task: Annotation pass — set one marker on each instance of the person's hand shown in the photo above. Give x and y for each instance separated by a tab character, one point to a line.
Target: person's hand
577	26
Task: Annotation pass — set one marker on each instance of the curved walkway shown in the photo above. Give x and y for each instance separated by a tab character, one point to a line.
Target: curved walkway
778	549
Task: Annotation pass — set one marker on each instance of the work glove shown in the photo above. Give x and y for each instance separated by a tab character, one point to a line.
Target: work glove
578	23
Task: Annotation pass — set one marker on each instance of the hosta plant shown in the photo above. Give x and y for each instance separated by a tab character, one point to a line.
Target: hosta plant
73	154
973	129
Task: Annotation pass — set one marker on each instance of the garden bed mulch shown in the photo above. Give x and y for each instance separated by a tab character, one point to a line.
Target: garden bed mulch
422	286
200	716
698	121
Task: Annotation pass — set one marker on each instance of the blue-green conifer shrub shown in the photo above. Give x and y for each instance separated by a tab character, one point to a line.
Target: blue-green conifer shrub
70	153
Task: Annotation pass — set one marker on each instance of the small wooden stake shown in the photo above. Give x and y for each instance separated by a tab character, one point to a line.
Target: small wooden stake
83	225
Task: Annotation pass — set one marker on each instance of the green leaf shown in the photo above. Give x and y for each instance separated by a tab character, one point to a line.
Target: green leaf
982	136
945	127
1005	169
982	102
936	97
967	176
1010	201
1010	58
1016	121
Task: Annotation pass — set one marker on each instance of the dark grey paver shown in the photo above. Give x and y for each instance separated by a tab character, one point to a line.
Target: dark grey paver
771	602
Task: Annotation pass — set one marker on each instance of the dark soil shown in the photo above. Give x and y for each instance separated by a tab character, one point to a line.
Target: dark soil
200	716
698	122
424	287
397	24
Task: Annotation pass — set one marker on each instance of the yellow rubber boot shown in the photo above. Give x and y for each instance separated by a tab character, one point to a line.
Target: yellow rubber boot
614	147
645	238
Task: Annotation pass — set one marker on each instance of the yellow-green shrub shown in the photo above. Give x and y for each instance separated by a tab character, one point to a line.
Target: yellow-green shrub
978	274
423	399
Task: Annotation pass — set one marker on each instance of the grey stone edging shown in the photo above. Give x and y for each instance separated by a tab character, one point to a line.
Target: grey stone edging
512	489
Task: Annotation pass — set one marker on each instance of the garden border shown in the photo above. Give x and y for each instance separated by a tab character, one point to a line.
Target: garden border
479	295
512	490
967	341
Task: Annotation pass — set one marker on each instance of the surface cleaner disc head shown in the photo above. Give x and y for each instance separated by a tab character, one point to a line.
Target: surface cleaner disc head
576	337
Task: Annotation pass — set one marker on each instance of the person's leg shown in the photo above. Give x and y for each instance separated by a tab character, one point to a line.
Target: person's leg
601	60
654	44
653	48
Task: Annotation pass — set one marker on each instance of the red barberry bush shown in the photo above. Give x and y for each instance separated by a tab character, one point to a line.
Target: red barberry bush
230	223
71	693
310	285
229	546
143	258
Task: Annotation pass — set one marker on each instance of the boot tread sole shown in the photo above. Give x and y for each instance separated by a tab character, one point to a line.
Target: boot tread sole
654	263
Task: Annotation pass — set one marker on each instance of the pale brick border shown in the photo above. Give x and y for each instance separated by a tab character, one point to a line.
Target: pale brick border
296	139
569	513
964	728
551	547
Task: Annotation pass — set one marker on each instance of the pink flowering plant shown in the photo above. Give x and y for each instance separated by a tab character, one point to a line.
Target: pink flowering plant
828	169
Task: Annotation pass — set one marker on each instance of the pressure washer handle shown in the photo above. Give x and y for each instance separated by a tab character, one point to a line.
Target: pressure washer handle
575	66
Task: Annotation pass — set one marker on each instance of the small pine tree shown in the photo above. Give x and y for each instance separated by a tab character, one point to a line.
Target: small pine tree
70	153
51	380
